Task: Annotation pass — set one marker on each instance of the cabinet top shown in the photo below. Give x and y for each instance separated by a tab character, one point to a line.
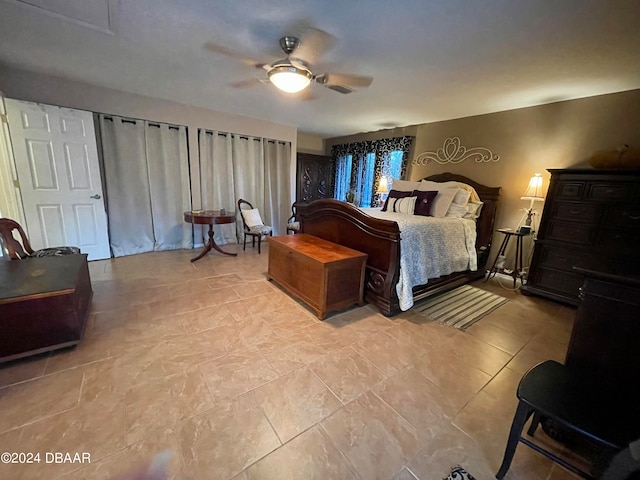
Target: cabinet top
316	248
596	171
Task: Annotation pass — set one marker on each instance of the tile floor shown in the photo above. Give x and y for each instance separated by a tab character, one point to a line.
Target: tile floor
217	365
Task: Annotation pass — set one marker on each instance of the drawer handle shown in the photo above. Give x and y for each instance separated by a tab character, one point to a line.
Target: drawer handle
632	217
575	212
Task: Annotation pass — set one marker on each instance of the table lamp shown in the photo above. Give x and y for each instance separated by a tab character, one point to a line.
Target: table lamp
533	193
383	189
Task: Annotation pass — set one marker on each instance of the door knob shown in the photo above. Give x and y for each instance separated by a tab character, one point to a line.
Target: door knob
96	196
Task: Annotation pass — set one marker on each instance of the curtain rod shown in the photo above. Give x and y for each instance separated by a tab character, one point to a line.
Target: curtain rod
134	121
243	137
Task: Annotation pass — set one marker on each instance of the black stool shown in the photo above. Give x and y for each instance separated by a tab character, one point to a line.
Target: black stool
577	404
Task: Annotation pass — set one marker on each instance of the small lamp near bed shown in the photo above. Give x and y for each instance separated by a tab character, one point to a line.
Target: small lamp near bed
383	190
534	194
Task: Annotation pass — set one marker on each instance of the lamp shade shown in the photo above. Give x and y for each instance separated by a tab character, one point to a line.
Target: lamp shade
534	190
383	185
290	79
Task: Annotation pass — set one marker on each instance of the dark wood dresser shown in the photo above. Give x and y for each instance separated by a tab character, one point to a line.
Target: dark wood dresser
591	220
44	304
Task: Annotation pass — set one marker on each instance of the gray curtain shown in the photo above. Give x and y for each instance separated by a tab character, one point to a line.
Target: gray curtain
147	180
277	184
255	169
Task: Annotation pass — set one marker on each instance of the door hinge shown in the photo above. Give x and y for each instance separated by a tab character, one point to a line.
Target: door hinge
16	183
3	118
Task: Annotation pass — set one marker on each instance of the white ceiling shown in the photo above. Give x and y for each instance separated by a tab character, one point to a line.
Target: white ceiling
431	60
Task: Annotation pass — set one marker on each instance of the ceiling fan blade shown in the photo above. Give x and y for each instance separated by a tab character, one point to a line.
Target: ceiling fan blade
213	47
340	88
344	79
313	43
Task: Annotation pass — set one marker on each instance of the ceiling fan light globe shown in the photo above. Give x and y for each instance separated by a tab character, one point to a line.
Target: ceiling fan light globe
290	79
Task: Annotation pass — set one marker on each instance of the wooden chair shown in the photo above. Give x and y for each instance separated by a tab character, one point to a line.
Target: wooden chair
580	409
253	225
293	226
22	249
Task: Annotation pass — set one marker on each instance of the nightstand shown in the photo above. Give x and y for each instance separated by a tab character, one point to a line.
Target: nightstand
518	267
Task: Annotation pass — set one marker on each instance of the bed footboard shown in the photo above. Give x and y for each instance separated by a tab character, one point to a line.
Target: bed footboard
342	223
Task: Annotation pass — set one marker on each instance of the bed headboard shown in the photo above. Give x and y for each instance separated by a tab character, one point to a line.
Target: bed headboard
486	221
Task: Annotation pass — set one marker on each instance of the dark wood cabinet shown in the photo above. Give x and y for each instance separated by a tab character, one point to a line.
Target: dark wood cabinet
591	220
314	177
606	330
44	304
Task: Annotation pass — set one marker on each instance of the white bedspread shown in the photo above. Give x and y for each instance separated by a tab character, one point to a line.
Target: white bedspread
430	248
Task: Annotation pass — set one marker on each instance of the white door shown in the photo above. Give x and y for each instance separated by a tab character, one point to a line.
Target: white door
57	163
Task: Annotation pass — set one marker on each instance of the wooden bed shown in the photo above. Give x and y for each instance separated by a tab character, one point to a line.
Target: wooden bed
346	225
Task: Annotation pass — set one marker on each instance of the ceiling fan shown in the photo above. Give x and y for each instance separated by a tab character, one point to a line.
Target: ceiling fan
294	73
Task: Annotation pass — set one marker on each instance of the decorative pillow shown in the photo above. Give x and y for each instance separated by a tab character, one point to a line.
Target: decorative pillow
424	202
459	473
251	217
402	205
404	185
394	194
456	211
473	210
442	202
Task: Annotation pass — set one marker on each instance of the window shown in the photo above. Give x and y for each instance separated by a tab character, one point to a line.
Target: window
359	167
343	177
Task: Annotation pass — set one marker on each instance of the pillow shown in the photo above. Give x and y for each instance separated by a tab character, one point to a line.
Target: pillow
402	205
456	211
251	217
443	201
462	196
473	210
404	185
424	202
394	194
429	185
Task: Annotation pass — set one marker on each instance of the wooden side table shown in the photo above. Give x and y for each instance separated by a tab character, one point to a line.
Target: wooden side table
518	267
211	218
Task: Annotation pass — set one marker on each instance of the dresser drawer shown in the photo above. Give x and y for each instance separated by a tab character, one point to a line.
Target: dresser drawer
575	212
570	232
609	191
623	215
570	190
565	259
620	241
559	281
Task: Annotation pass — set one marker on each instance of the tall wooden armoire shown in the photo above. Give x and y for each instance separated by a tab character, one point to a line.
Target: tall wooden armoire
314	178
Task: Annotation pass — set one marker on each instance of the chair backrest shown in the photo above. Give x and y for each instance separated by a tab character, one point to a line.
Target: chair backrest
244	205
14	248
292	218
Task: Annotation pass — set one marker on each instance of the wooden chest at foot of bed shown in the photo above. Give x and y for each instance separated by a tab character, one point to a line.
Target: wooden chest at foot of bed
325	275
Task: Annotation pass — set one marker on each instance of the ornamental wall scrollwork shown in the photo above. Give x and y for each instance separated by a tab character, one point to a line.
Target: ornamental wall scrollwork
452	152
